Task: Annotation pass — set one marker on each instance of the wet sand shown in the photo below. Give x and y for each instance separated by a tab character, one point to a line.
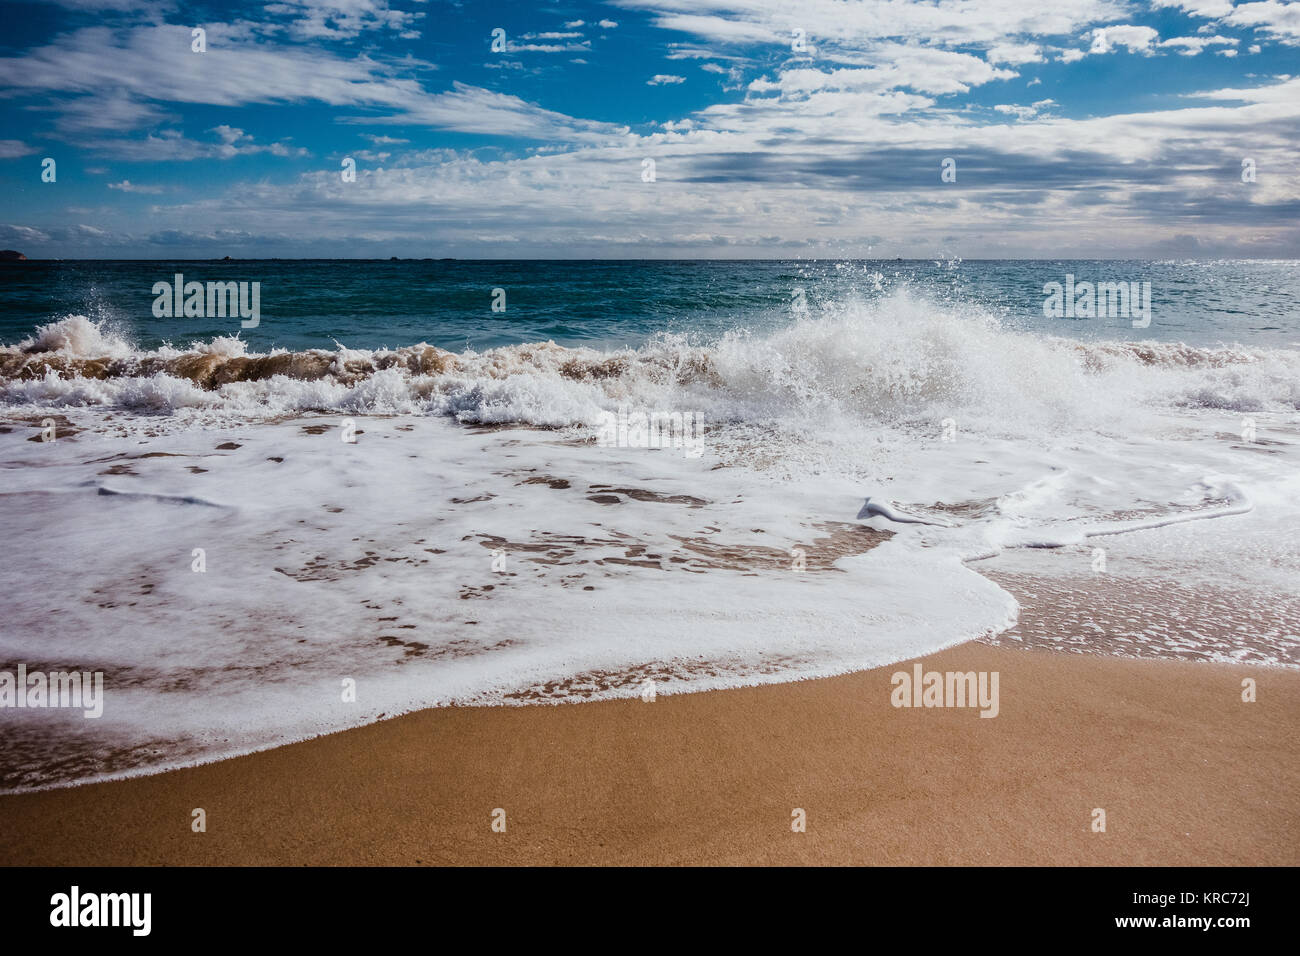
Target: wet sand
1186	772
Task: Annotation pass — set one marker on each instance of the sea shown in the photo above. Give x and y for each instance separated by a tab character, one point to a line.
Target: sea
415	483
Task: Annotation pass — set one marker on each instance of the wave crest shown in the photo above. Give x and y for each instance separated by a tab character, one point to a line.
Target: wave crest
887	361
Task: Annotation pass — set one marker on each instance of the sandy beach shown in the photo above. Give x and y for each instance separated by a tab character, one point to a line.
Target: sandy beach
1186	772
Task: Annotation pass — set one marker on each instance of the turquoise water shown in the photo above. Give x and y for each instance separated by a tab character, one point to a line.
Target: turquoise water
371	304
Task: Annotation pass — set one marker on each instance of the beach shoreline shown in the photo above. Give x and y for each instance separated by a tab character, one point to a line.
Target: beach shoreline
1186	771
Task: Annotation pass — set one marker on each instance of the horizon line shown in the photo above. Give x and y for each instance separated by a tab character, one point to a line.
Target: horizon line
207	259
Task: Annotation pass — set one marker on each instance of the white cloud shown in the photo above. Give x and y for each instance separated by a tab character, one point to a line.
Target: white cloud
1190	46
127	186
242	72
1278	20
583	47
798	161
112	110
231	73
1212	9
11	233
1284	92
743	192
840	30
664	79
1015	54
471	109
228	134
14	148
1026	112
342	19
1135	39
923	69
171	145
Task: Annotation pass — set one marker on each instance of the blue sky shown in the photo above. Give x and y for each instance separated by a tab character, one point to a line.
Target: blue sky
776	128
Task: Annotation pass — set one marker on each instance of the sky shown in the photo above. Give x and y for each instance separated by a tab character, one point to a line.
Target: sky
651	129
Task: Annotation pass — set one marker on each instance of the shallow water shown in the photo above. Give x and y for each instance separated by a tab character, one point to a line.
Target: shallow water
839	489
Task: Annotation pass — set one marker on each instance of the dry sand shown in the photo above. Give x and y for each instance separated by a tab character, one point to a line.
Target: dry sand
1186	772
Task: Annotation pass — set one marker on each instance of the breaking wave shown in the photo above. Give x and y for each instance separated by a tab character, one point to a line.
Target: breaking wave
894	360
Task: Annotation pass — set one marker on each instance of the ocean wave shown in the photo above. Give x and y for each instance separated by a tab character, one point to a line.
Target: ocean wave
887	361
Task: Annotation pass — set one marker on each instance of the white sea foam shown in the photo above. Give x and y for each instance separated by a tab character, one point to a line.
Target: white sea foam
896	359
76	335
374	561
